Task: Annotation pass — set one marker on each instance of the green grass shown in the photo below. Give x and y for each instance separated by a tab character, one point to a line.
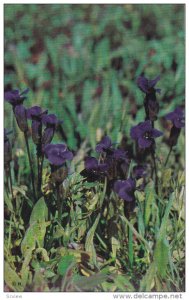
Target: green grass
81	62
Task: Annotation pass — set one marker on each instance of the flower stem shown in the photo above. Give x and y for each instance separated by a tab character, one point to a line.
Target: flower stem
40	160
10	179
30	162
155	170
167	159
59	207
38	174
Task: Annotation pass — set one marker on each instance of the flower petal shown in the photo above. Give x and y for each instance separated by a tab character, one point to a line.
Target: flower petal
123	194
21	118
156	133
142	83
144	143
119	184
153	82
91	163
104	144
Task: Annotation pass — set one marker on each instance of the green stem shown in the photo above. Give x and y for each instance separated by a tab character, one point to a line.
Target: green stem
58	202
31	167
155	170
130	247
38	174
10	178
167	159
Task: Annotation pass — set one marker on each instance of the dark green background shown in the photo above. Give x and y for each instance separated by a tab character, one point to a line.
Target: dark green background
81	62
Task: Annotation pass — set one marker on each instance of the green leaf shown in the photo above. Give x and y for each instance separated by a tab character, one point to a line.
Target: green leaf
88	283
161	256
148	281
89	245
131	252
39	212
149	199
34	236
166	177
64	263
115	246
164	223
123	284
12	279
25	266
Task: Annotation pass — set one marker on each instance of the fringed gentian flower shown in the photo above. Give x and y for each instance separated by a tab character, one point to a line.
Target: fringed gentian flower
150	102
51	122
146	85
16	99
177	119
125	189
21	117
58	154
144	134
104	145
36	114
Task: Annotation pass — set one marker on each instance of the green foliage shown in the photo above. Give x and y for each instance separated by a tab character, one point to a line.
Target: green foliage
161	256
39	212
149	199
64	263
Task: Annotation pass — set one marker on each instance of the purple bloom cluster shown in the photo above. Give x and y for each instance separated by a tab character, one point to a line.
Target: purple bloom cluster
57	154
113	162
110	164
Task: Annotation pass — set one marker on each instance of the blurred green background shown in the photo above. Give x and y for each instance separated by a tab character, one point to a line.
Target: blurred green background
81	62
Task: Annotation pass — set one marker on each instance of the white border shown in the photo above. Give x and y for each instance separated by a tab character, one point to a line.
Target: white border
84	296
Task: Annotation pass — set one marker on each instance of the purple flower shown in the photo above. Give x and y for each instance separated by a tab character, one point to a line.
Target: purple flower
104	145
125	189
150	103
51	122
15	97
145	134
146	85
177	117
92	164
57	154
21	117
36	114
